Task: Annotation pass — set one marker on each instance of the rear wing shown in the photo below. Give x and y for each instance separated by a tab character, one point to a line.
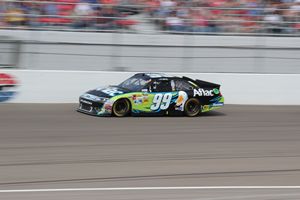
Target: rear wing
201	83
207	84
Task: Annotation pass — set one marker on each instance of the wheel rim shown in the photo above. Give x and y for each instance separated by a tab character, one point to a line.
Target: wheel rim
193	107
121	108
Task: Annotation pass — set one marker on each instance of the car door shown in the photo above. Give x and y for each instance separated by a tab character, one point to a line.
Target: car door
161	96
158	98
184	90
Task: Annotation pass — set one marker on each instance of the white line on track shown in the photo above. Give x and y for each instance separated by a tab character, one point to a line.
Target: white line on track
149	188
251	197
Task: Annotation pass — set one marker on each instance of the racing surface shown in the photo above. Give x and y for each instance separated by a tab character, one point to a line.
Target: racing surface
53	146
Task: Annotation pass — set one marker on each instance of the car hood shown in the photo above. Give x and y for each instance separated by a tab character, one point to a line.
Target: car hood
107	92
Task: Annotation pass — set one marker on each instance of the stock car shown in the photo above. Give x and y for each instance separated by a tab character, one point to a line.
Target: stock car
152	94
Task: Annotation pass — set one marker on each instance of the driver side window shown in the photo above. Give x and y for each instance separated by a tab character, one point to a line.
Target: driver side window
161	86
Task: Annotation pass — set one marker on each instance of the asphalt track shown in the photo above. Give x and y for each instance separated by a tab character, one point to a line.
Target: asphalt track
52	146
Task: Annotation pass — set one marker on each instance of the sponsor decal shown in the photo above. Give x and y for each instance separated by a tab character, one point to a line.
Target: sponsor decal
202	92
155	75
108	107
216	91
205	108
216	99
84	101
90	97
111	91
94	98
138	98
145	98
7	87
182	98
217	104
134	97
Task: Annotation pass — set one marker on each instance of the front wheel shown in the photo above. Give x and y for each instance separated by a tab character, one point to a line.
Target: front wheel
192	107
121	108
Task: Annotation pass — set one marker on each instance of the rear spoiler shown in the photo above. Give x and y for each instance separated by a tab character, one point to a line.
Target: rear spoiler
202	83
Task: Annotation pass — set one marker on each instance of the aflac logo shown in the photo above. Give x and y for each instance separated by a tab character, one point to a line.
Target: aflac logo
201	92
7	87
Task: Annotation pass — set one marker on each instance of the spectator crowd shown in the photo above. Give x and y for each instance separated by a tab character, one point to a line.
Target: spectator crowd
196	16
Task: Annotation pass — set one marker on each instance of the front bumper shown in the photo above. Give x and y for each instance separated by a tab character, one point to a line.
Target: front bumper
86	112
93	108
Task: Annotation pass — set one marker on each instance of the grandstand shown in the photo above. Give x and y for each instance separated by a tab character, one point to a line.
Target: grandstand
239	17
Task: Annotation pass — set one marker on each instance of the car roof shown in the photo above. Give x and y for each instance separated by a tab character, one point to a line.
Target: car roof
152	75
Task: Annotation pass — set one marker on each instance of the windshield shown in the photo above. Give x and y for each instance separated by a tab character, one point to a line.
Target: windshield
134	84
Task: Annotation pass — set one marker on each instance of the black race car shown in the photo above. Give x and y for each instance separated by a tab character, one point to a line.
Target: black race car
153	94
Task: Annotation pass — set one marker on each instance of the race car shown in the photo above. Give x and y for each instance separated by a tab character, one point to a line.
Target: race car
152	94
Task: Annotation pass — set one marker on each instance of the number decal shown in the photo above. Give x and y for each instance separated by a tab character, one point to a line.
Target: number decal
156	101
111	91
166	101
161	101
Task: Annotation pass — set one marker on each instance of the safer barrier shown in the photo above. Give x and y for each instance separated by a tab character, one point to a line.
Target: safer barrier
36	86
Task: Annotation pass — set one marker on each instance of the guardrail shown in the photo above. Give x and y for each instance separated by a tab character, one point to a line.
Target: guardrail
35	86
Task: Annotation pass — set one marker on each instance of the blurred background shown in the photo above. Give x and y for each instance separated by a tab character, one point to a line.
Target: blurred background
234	17
247	36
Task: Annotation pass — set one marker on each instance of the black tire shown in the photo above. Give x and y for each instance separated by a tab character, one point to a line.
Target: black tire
192	107
121	108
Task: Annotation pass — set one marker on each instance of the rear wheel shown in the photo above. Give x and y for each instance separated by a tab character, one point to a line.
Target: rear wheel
121	108
192	107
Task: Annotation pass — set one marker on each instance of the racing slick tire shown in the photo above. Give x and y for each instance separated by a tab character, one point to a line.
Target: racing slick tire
121	108
192	107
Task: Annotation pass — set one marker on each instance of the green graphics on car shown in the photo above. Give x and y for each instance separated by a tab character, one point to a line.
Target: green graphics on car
152	94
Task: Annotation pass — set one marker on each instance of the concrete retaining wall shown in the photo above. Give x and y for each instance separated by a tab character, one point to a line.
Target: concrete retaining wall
50	50
42	86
